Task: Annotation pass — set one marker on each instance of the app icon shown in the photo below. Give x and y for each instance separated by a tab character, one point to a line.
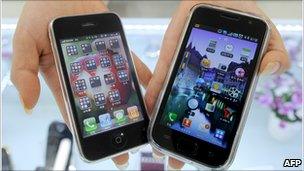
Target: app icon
228	51
216	87
133	112
114	96
209	107
114	43
100	46
105	120
219	104
211	47
219	134
229	47
105	62
205	63
86	48
75	67
99	99
90	124
245	52
95	81
186	122
85	103
90	64
228	112
71	50
80	85
240	72
118	60
123	75
172	116
234	92
192	103
204	127
119	116
109	78
222	67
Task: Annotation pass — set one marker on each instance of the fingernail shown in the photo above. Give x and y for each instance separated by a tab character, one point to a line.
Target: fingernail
27	110
122	166
169	167
271	68
157	157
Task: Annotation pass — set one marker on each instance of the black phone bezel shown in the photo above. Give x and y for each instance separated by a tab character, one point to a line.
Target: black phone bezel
169	139
100	145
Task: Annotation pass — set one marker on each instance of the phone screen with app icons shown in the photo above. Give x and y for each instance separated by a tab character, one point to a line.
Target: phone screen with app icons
101	82
207	92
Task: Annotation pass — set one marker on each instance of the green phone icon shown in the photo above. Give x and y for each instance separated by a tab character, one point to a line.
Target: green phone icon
172	116
90	124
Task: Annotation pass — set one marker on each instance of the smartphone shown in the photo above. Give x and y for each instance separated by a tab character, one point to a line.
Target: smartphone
203	106
100	87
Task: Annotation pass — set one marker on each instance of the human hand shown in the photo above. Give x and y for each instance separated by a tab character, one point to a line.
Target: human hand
274	61
32	53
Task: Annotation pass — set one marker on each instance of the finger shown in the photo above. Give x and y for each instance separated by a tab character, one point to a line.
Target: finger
25	66
275	60
50	76
121	161
143	72
174	164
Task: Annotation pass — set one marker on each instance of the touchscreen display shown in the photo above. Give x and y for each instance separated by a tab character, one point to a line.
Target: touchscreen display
100	78
206	96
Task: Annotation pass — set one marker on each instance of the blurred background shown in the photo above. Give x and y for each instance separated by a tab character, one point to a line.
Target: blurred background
270	136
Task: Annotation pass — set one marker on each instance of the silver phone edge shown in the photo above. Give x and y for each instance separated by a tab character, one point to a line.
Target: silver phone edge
65	93
247	102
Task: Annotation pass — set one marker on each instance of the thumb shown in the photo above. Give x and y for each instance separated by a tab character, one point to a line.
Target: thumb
25	66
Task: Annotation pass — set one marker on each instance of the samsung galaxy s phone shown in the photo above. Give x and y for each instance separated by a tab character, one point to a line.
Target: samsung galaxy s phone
204	102
100	87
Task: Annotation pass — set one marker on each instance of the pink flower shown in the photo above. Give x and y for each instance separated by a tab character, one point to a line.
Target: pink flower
296	98
286	108
265	99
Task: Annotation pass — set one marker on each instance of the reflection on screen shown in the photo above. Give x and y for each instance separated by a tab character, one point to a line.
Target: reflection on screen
101	82
209	86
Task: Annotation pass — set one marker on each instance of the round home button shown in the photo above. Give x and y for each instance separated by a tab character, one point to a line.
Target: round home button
187	147
119	140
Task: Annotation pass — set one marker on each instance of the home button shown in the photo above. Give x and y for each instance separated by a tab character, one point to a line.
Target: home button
119	140
187	147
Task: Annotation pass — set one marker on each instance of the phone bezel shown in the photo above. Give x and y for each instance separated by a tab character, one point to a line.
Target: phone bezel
95	147
161	138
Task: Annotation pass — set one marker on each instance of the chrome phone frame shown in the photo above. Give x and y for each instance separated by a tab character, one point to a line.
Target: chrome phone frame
71	119
248	101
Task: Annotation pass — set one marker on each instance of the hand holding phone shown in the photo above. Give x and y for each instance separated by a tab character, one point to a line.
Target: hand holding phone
32	52
275	53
